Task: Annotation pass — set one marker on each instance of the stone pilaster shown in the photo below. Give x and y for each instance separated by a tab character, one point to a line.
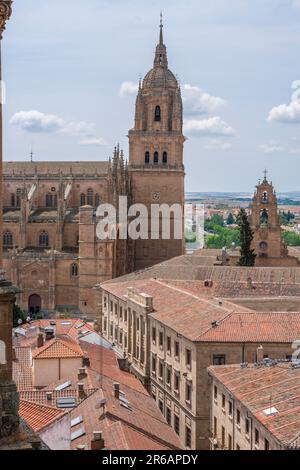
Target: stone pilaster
9	398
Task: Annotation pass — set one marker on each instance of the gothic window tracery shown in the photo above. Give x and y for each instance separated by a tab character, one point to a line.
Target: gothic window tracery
44	239
90	197
7	239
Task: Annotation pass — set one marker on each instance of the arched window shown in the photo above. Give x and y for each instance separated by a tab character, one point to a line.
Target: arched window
74	270
44	239
7	239
155	158
97	200
90	197
19	193
157	116
13	200
265	197
82	199
165	158
264	216
49	200
147	158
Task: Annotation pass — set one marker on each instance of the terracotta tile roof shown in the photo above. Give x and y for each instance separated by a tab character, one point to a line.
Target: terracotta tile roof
68	326
58	348
143	419
256	327
104	362
187	313
40	396
39	416
22	371
259	387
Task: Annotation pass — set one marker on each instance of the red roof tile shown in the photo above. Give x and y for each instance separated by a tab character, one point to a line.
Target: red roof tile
39	416
259	388
58	348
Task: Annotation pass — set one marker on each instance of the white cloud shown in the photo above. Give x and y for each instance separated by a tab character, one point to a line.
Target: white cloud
80	128
128	88
211	126
197	102
93	141
288	113
271	148
218	145
37	122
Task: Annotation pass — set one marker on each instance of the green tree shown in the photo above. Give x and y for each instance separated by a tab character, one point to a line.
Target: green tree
291	238
247	257
230	219
18	314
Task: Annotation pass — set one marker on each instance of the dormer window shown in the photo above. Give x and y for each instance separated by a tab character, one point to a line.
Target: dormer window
157	117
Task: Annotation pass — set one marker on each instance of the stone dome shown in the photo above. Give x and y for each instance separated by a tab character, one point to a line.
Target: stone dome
160	77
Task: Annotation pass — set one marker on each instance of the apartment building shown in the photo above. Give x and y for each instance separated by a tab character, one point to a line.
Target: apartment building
170	336
255	407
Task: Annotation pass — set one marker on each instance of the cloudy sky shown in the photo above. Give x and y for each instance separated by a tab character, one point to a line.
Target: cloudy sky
71	69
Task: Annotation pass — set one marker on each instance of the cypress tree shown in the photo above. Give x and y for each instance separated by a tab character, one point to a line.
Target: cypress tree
247	257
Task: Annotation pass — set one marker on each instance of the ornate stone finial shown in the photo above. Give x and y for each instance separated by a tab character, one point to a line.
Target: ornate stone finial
5	14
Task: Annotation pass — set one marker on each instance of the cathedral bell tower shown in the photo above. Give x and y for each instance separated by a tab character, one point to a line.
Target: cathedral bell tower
265	223
156	154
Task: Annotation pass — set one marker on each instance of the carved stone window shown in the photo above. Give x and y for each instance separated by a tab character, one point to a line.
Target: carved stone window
157	116
44	239
7	240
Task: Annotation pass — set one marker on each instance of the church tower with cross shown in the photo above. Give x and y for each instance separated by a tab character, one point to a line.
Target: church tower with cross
268	242
156	154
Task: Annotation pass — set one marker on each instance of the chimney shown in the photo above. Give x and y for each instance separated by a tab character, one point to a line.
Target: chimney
97	443
260	354
40	340
49	333
81	373
117	390
81	392
49	396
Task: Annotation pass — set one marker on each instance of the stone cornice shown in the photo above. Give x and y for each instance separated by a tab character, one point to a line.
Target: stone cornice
5	14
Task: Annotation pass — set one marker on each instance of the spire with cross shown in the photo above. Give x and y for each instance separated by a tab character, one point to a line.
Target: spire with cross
265	174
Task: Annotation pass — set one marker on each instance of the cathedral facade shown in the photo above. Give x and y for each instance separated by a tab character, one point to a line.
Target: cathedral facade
50	245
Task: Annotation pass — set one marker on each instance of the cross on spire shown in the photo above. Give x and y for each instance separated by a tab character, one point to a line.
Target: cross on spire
265	174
